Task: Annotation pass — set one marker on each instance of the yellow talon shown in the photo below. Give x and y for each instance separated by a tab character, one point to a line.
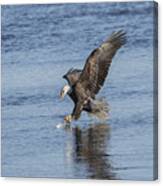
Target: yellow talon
68	118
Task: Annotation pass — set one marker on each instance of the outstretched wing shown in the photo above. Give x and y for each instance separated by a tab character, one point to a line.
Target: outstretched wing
72	76
97	65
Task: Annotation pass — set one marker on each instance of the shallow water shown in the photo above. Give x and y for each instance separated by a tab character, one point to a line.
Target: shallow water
39	44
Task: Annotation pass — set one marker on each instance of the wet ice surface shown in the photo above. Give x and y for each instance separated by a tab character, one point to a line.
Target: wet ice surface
39	44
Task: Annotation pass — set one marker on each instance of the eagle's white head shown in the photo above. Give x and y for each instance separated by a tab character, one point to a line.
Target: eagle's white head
64	91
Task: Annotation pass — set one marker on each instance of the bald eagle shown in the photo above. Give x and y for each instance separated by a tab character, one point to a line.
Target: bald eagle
83	85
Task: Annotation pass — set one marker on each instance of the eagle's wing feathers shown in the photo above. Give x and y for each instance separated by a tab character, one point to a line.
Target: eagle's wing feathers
72	76
98	63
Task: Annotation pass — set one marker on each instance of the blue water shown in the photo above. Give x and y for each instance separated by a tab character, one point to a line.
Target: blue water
39	44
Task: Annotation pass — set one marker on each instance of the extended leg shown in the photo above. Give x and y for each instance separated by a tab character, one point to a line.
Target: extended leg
76	112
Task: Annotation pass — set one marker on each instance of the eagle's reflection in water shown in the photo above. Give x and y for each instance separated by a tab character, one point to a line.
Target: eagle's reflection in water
91	146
